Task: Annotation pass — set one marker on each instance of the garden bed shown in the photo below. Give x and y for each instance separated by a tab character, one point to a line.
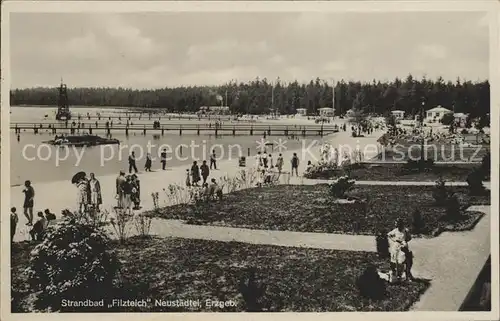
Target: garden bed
397	172
309	208
296	279
440	153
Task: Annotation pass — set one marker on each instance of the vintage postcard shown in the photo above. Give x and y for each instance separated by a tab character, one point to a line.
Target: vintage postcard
228	157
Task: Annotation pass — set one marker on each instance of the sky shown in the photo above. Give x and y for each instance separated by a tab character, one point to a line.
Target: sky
156	50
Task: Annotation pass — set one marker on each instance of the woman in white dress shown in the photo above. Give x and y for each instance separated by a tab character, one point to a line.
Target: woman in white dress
95	192
398	248
82	195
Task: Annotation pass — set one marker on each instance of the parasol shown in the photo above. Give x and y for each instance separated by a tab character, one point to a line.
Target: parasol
78	177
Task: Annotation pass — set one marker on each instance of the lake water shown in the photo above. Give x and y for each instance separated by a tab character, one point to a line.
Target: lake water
32	159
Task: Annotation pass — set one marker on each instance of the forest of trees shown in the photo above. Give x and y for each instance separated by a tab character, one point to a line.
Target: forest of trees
256	97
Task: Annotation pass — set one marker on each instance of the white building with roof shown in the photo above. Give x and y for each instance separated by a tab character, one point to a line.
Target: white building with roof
436	113
326	112
301	111
398	114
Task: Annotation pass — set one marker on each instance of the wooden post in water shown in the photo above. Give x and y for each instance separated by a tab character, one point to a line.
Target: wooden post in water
162	131
248	152
321	132
198	130
286	131
251	130
180	132
90	130
269	131
144	130
234	131
126	131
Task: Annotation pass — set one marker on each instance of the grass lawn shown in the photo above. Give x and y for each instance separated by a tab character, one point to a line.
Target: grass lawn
308	208
297	279
396	172
439	152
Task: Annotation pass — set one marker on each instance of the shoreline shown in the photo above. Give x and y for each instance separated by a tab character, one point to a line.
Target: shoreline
58	195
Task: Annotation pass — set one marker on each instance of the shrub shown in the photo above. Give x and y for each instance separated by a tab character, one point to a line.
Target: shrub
382	244
440	192
453	211
73	263
142	223
417	222
252	292
341	186
465	131
486	165
120	223
475	182
370	285
419	165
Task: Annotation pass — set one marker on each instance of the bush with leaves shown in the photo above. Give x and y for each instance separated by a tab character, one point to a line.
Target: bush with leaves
341	186
382	242
417	222
73	263
370	285
475	182
453	208
440	193
486	165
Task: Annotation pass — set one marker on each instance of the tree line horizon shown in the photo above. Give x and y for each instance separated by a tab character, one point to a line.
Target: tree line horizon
261	96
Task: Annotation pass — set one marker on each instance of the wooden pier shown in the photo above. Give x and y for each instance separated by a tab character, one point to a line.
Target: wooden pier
198	129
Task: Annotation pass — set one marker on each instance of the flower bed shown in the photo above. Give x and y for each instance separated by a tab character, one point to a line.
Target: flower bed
296	279
396	172
438	152
309	208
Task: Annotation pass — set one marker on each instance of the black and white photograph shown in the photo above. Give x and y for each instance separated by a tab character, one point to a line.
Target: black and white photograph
250	157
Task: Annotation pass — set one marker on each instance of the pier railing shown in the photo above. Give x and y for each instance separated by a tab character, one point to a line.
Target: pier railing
219	129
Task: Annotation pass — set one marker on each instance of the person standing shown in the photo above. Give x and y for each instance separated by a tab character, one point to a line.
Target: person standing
127	193
195	173
401	256
188	178
205	171
163	159
14	219
264	159
83	196
295	164
29	196
279	163
120	182
95	192
213	160
131	163
149	162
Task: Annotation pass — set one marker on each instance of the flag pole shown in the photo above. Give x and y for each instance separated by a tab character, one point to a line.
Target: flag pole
333	96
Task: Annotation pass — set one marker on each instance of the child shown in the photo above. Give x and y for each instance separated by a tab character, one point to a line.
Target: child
38	231
13	223
49	216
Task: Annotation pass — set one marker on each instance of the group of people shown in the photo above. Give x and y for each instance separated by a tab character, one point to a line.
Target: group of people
36	228
332	155
128	191
89	193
